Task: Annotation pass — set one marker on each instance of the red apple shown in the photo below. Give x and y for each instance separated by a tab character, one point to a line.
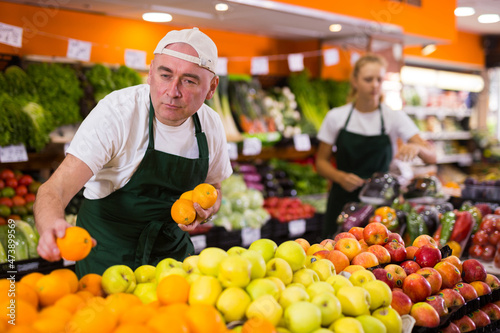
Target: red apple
427	256
383	256
473	270
466	290
449	273
397	251
425	315
410	252
304	243
417	287
492	281
437	302
482	288
364	246
492	310
433	277
328	244
488	253
344	234
357	232
480	318
395	236
323	254
410	266
375	233
398	274
465	324
452	298
476	251
455	261
365	259
451	328
401	302
424	240
382	275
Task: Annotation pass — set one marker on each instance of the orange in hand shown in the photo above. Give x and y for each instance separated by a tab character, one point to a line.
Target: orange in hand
205	195
75	245
183	211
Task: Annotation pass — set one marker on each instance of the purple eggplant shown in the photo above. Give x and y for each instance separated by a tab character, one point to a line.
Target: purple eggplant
355	214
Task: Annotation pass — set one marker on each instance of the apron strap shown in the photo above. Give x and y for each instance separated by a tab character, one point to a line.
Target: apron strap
381	119
349	116
151	144
200	137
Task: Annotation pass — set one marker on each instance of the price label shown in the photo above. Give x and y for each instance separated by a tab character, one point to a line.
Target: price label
199	242
13	153
11	35
221	66
249	235
302	142
296	62
232	149
296	228
30	266
259	66
252	146
79	50
68	262
331	57
135	59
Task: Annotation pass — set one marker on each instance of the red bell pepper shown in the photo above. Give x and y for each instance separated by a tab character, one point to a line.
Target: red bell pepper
463	226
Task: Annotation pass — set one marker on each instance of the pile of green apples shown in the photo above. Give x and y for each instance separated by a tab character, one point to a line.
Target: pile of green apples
279	283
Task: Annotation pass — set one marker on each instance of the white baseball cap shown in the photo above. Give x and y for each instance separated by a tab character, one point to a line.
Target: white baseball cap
201	43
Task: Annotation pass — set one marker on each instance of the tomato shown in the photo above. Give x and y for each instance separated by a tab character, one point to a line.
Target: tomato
489	253
21	190
6	174
494	237
6	201
25	180
2	184
11	182
30	197
3	221
481	237
14	217
18	200
476	251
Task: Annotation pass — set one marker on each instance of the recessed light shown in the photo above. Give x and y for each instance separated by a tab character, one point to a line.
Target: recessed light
335	27
221	7
488	18
464	11
157	17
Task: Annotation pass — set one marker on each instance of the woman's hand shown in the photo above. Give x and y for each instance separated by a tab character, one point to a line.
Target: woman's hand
408	152
350	182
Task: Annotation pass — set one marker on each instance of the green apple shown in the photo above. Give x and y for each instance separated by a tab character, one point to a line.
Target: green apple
236	250
347	325
390	318
266	307
277	281
165	265
190	264
146	292
205	290
338	282
145	273
176	270
295	284
355	300
322	330
305	276
358	278
293	253
281	269
324	268
284	330
380	294
292	294
258	263
192	277
319	287
232	303
264	246
263	286
371	324
209	260
330	307
302	317
118	279
235	271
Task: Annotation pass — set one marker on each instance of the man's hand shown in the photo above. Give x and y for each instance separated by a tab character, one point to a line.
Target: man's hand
201	215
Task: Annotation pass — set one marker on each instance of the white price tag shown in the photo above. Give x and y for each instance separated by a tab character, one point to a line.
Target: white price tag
135	59
302	142
331	57
79	50
249	235
232	149
273	136
259	66
252	146
199	242
296	62
221	66
296	228
11	35
13	153
354	57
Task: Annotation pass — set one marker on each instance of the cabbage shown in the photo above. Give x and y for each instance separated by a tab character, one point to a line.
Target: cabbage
263	213
225	208
237	221
239	201
256	198
234	183
222	221
253	219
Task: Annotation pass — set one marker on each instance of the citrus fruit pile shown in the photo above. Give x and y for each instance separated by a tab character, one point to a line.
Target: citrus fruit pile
183	211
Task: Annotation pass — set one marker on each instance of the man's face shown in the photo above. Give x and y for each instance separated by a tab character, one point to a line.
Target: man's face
179	87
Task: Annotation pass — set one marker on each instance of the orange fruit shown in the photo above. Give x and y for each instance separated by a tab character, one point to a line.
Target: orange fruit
70	302
137	314
187	195
91	282
183	211
85	294
258	325
94	317
49	325
175	324
21	328
75	245
121	301
134	328
55	312
69	276
24	312
204	318
173	289
50	288
26	292
31	278
205	195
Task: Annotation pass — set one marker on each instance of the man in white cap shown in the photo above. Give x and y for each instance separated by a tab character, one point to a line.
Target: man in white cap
137	151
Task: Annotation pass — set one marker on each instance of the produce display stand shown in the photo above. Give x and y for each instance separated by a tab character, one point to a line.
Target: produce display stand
24	267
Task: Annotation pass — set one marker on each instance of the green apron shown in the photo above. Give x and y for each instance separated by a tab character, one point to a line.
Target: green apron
133	225
359	154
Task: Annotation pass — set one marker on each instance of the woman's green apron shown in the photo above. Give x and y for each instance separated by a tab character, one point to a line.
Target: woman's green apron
133	225
359	154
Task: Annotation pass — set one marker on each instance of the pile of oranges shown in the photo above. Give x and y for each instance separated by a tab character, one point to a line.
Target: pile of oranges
183	211
59	302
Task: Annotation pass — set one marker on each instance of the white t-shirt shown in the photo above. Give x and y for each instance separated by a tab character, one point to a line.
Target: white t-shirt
397	124
113	139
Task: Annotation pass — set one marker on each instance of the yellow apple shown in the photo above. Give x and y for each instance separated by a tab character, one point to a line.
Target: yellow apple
266	307
355	300
371	324
145	273
292	294
232	303
209	260
338	282
330	307
346	325
190	264
319	287
302	317
205	290
380	294
390	318
234	271
324	268
263	286
305	276
146	292
281	269
358	278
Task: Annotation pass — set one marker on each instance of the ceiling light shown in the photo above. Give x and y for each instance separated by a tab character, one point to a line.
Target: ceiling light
335	27
488	18
428	49
221	7
464	11
157	17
